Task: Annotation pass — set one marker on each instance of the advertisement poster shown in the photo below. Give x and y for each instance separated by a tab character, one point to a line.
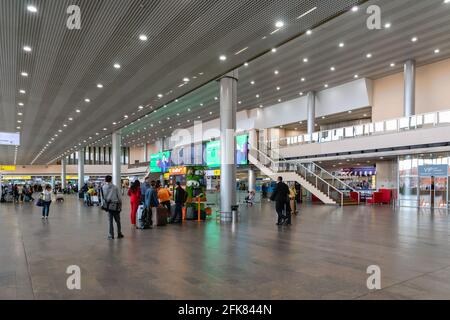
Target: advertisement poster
212	152
160	162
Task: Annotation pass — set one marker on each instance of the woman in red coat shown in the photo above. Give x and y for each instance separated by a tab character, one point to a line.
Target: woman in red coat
135	200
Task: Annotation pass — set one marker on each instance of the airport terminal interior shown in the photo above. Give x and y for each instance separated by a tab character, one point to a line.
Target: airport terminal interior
224	149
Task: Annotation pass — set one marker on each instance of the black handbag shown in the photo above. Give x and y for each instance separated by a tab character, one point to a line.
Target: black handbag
40	203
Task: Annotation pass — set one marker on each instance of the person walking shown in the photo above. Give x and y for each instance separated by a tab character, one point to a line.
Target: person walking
180	199
281	197
46	197
135	200
113	205
151	200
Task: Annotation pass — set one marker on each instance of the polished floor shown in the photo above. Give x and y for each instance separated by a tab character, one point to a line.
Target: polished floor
323	255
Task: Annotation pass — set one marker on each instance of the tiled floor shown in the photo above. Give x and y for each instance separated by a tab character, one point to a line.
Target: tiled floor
323	255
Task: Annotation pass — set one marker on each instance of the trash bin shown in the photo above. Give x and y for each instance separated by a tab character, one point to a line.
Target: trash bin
235	213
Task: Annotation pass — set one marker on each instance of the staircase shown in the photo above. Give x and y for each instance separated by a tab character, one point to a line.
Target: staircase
319	182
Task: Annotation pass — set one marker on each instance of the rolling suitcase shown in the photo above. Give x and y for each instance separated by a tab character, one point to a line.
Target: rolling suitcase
142	218
160	216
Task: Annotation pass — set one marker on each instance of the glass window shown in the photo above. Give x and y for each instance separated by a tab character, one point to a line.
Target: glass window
444	117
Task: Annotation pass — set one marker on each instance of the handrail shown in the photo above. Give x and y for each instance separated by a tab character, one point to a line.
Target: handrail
434	119
306	170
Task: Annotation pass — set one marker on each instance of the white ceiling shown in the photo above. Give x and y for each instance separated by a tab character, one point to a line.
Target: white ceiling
185	39
427	20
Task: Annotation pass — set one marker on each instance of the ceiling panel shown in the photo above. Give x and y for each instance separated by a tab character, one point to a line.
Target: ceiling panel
428	20
185	39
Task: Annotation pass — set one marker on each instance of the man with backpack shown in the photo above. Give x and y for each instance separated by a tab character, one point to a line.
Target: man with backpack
281	198
180	199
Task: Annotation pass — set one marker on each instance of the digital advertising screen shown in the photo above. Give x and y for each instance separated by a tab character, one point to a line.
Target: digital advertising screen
242	150
212	154
213	157
160	162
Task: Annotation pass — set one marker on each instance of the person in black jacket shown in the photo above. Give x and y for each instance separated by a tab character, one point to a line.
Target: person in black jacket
281	198
180	199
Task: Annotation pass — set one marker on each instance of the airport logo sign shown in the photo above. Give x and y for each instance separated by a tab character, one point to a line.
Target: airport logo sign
440	170
9	139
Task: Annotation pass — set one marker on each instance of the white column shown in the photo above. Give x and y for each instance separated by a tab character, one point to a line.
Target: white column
52	182
251	180
116	155
311	103
63	173
145	152
410	88
228	107
81	157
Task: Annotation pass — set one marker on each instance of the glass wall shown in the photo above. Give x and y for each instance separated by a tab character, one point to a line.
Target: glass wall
424	180
99	156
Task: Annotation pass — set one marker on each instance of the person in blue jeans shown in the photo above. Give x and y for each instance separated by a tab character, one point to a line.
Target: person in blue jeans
46	197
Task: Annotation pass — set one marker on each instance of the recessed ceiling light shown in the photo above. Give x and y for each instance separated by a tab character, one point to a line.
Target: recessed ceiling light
24	74
301	93
387	25
392	64
143	37
276	72
78	110
350	111
341	45
323	118
279	24
302	79
160	95
261	106
252	82
369	55
246	64
308	32
355	8
274	50
117	66
27	49
240	102
20	114
332	68
32	9
99	86
87	100
437	50
64	125
223	58
22	91
257	96
186	79
305	60
70	119
365	115
19	121
356	76
279	100
414	39
278	88
446	1
141	107
18	128
326	85
20	104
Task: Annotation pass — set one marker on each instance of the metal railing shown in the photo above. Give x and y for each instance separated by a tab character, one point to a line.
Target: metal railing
281	165
422	121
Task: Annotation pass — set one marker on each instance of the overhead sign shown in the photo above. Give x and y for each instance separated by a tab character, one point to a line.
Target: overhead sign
7	168
178	171
440	170
212	173
9	139
16	177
